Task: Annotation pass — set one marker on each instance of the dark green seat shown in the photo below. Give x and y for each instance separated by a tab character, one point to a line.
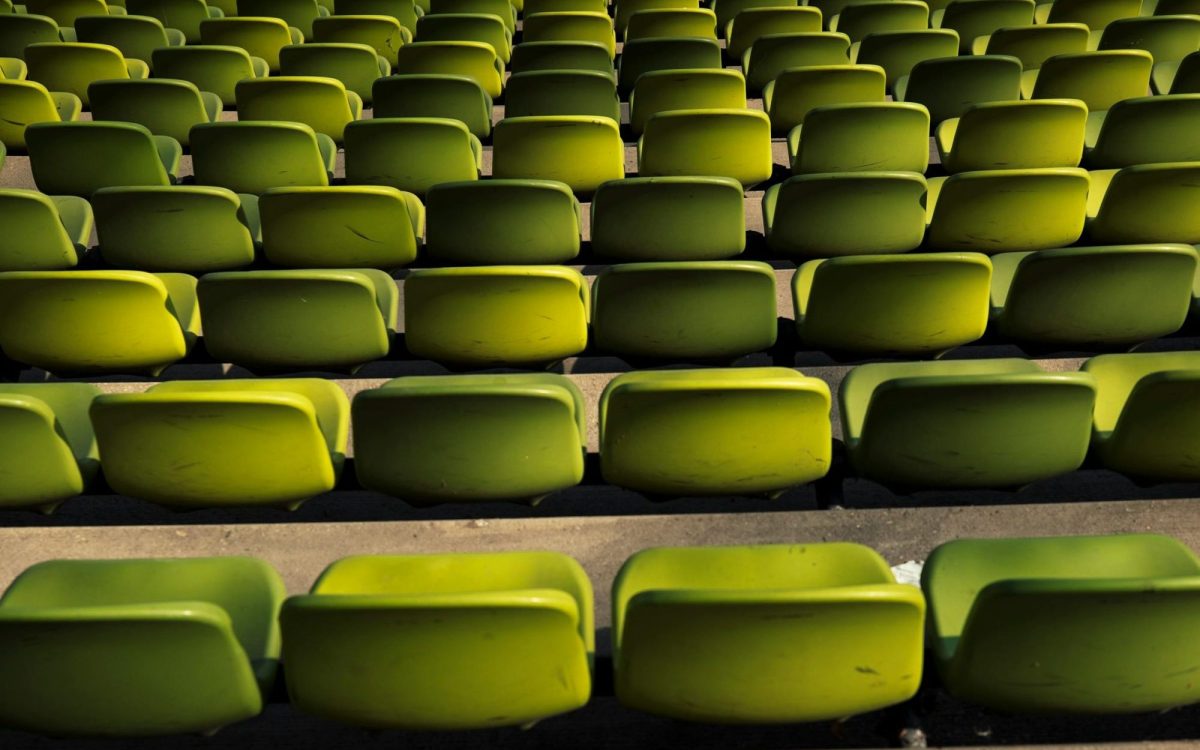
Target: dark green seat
669	218
79	158
555	92
949	86
253	157
1146	130
411	153
356	66
451	97
898	51
645	55
163	106
1034	45
1147	203
502	221
212	68
772	54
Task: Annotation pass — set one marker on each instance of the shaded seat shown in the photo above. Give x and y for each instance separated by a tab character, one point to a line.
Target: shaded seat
78	158
912	304
1014	135
298	14
260	36
1182	77
184	15
42	232
947	87
794	93
964	423
623	9
97	321
582	152
495	315
323	104
570	27
1033	45
213	68
1095	14
785	631
1174	8
741	431
252	157
1064	613
73	66
684	310
669	218
1098	79
23	103
356	66
470	438
463	641
666	90
748	26
560	6
220	443
1167	38
976	210
1146	203
727	143
531	56
502	9
132	648
412	153
467	27
898	51
1145	130
672	23
453	97
772	54
340	227
502	221
973	19
135	36
727	10
568	92
871	136
186	229
384	34
49	449
19	30
647	55
1117	295
404	11
163	106
65	12
472	59
861	18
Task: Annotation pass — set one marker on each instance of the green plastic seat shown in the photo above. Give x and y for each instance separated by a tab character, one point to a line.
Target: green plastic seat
647	55
356	66
570	27
467	27
898	51
323	104
470	438
384	34
49	448
1033	45
1117	295
1068	614
531	56
949	86
669	219
751	24
161	105
862	18
1166	38
529	8
298	14
135	36
404	11
772	54
741	431
973	19
502	9
727	10
472	59
489	222
23	103
684	310
787	632
1146	130
562	92
184	229
19	30
79	158
623	9
794	93
910	304
1099	79
495	315
1014	135
666	90
65	12
870	136
340	227
212	68
42	232
97	321
452	97
965	423
1177	76
978	210
260	36
184	15
722	142
13	69
672	22
852	213
411	153
1173	8
132	648
73	66
1095	14
1146	203
461	641
253	157
582	152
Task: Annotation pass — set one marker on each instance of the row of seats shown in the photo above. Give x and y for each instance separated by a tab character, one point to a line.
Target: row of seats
751	634
463	438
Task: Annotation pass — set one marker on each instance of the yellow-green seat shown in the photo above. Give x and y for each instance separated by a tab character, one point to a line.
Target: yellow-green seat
1100	625
323	104
794	93
861	18
23	103
672	22
871	136
184	15
910	304
470	438
1146	203
898	51
949	86
1182	77
973	19
135	36
162	105
136	647
772	54
570	27
13	69
727	10
467	27
213	68
502	9
65	12
532	56
472	59
1116	295
411	153
452	97
751	24
740	431
49	449
186	229
684	310
1167	38
356	66
260	36
252	157
624	9
453	641
19	30
79	158
1033	45
965	423
1014	135
73	66
558	6
404	11
1095	14
851	213
42	232
495	315
219	443
696	142
647	55
562	92
666	90
499	221
669	218
298	14
582	152
97	321
1146	130
1098	79
340	227
764	634
1006	210
384	34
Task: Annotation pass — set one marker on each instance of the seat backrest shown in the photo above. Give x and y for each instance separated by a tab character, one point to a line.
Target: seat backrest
873	136
1148	203
502	9
1019	135
319	102
859	19
164	106
65	12
78	158
297	13
260	36
1148	130
727	142
34	236
727	10
672	22
552	92
250	157
551	148
213	68
795	92
1167	38
645	55
72	66
411	154
450	96
570	27
18	31
898	51
774	53
467	27
404	11
356	66
1033	45
626	8
561	56
473	59
184	15
23	103
1120	376
976	18
666	90
136	36
384	33
752	23
948	86
1099	79
1096	14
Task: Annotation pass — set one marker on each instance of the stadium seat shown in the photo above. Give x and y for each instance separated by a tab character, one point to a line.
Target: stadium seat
472	59
623	9
298	14
161	105
669	219
73	66
976	210
1068	614
1095	14
794	93
582	152
220	443
719	142
404	11
973	19
467	27
646	55
184	15
861	18
671	23
42	232
872	136
79	158
898	51
742	431
570	27
412	154
356	66
774	53
562	92
852	213
949	86
727	10
1173	8
1098	79
666	90
470	438
1033	45
136	647
97	321
496	315
323	104
750	25
494	222
65	12
13	69
454	641
212	68
1117	295
965	423
529	7
788	633
135	36
340	227
49	449
23	103
384	34
1182	77
18	31
1166	38
702	310
908	304
502	9
252	157
260	36
1014	135
184	229
532	56
1145	130
1146	203
453	97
